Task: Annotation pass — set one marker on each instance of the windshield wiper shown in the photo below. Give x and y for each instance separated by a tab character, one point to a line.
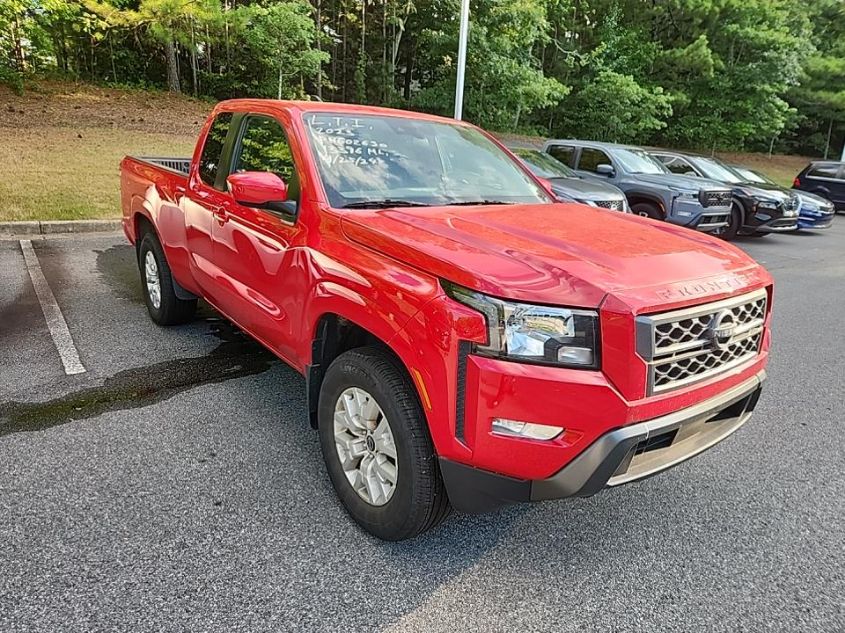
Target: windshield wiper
473	203
383	204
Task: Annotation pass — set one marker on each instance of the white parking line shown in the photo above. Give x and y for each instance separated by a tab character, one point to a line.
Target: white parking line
52	313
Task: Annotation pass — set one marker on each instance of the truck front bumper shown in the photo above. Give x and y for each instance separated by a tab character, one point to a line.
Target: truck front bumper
619	456
691	214
815	221
778	225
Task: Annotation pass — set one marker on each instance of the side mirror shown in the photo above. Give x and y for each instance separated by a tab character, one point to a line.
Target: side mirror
691	173
605	170
259	189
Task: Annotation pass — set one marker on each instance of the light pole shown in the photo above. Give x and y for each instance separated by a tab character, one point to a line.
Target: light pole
462	59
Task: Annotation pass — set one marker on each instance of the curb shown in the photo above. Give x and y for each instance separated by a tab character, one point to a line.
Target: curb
52	227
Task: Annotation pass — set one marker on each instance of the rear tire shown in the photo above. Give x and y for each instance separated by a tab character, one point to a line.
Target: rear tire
647	210
380	460
164	306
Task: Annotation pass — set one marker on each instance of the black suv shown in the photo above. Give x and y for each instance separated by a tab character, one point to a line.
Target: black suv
825	179
757	208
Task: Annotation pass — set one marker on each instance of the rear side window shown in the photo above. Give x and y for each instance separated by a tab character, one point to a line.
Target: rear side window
824	170
209	164
564	153
592	158
676	164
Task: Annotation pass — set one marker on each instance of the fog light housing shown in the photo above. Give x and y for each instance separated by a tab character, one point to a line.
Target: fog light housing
528	430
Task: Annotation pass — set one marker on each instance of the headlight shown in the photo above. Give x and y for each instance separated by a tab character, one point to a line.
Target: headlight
767	204
686	195
532	333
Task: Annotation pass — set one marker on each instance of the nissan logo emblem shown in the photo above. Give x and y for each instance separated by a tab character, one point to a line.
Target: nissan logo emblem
721	330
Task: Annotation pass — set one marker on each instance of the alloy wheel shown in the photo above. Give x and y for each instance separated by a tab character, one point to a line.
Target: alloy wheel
365	446
152	278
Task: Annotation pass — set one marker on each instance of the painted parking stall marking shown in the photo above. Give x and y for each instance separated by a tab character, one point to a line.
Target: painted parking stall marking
52	313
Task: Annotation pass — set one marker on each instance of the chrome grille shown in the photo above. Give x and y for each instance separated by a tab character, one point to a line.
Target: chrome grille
715	198
614	205
685	346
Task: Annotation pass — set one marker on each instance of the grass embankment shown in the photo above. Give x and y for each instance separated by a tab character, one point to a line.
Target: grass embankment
780	168
61	144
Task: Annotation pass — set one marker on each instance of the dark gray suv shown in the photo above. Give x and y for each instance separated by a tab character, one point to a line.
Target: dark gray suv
568	186
652	190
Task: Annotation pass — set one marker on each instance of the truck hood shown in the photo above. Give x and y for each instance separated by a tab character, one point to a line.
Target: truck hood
560	254
583	189
765	190
679	181
812	198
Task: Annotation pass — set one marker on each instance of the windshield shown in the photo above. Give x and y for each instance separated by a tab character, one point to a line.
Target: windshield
636	161
544	165
750	175
370	161
716	170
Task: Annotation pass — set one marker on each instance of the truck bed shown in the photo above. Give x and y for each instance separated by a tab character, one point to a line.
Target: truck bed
181	165
148	181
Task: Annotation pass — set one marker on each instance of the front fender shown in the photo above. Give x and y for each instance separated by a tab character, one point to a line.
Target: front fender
434	346
662	199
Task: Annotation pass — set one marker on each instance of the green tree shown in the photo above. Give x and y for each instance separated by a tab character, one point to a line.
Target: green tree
614	107
282	38
504	79
820	97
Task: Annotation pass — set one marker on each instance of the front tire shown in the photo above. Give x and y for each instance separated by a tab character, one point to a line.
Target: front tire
647	210
734	225
376	445
164	306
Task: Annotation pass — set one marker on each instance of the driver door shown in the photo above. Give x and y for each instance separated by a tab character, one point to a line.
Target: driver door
253	248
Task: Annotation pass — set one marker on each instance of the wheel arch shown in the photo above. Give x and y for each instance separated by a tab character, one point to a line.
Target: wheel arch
334	333
737	203
640	197
143	224
822	191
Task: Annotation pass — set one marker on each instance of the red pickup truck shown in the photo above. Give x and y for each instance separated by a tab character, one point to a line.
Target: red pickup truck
465	340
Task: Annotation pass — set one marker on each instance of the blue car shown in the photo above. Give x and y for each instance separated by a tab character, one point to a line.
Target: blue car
815	212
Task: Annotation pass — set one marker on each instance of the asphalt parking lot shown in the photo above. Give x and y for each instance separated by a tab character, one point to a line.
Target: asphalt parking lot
175	486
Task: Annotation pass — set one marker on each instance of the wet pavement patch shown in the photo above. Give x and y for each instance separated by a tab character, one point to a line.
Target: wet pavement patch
238	355
118	267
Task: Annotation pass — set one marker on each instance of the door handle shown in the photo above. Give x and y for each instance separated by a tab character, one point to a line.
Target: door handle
220	215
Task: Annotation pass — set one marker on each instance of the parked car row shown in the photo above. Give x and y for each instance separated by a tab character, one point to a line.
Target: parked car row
815	212
692	190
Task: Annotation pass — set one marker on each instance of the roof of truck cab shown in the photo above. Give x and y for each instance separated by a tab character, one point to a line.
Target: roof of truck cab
330	107
676	152
599	144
